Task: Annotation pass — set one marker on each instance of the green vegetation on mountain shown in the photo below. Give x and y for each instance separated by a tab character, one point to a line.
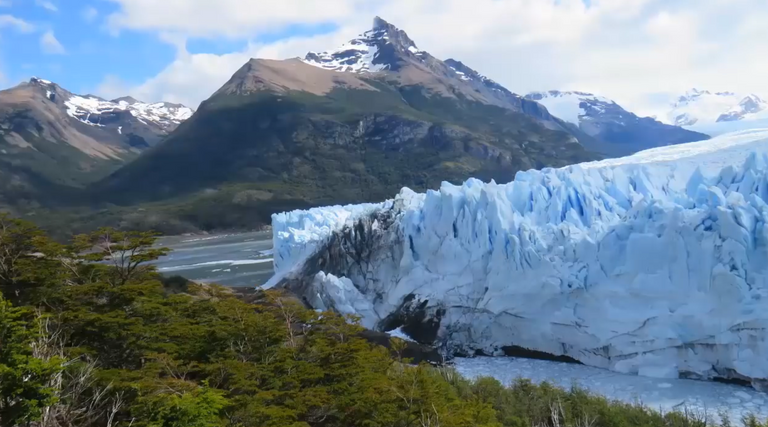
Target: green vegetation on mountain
90	336
260	153
50	174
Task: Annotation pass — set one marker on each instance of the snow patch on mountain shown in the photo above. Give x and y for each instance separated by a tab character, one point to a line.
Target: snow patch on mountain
41	81
372	51
461	75
356	56
468	74
573	107
653	263
88	108
161	113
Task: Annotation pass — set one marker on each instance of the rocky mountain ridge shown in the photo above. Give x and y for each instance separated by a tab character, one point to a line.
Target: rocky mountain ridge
385	50
388	52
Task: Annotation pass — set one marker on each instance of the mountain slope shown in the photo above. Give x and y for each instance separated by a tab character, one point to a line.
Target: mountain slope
52	138
93	125
387	49
617	131
341	126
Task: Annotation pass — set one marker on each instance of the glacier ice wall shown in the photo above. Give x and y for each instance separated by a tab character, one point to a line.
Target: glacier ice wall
654	264
299	232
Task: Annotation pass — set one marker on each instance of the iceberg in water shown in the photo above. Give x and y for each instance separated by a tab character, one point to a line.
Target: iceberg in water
654	264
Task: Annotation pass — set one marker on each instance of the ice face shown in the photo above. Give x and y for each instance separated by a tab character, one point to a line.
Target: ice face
300	232
654	264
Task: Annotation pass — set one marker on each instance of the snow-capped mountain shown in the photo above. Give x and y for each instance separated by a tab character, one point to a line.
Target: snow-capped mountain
95	111
718	112
619	131
98	127
377	49
385	50
53	141
750	105
653	264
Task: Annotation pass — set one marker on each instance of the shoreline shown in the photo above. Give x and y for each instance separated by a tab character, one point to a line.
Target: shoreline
203	233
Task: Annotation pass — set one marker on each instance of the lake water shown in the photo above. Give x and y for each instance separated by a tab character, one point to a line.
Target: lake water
229	260
702	398
246	260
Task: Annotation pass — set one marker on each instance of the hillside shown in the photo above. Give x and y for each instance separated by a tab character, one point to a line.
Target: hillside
342	126
53	141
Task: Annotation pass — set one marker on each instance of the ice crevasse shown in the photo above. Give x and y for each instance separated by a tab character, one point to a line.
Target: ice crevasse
654	264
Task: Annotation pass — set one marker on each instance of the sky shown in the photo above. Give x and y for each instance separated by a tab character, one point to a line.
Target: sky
641	53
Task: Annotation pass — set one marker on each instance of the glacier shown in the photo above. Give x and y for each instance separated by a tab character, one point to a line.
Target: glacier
654	264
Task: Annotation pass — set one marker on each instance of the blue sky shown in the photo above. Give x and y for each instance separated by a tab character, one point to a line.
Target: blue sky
91	49
638	52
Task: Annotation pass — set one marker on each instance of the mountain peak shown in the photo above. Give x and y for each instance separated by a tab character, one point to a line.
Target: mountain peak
39	81
379	23
382	48
127	99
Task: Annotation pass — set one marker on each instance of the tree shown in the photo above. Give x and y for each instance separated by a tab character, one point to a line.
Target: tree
127	252
181	404
21	247
25	380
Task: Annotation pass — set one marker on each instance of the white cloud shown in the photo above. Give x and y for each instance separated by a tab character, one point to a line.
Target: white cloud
90	14
634	51
191	78
233	18
45	4
50	45
9	21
